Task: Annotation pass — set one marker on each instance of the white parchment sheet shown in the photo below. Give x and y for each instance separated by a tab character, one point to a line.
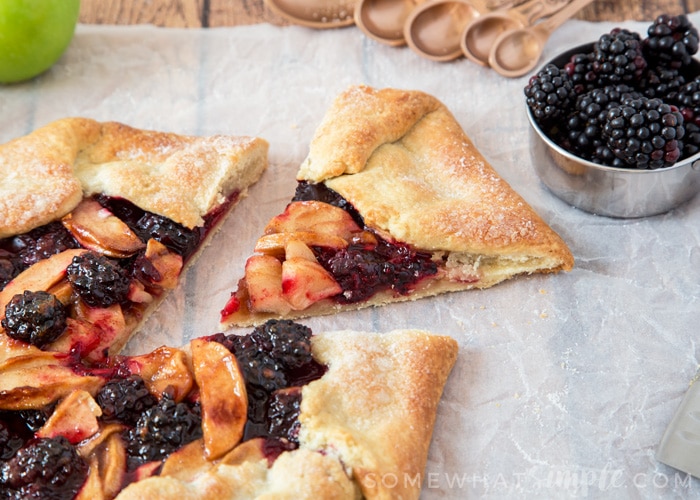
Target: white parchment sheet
564	383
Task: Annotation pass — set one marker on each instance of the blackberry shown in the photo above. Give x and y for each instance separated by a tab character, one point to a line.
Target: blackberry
580	70
289	342
42	242
645	133
175	236
283	414
618	57
671	41
37	318
9	267
10	442
124	400
661	82
687	99
691	140
162	429
585	123
99	281
549	93
47	468
260	369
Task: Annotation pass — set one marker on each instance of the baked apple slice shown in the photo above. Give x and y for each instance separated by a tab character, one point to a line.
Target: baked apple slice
296	248
305	282
38	378
167	264
222	395
164	369
275	244
75	418
316	217
97	229
263	275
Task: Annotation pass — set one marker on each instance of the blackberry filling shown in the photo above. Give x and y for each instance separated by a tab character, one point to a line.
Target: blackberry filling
17	253
37	318
363	270
276	361
43	468
283	411
148	225
162	429
99	281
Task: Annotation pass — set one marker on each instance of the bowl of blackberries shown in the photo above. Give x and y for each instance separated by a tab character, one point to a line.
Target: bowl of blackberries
616	122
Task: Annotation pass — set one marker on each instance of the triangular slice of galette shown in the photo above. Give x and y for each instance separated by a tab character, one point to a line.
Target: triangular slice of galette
393	203
99	221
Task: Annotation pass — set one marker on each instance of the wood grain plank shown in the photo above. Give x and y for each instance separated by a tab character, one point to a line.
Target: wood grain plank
620	10
199	13
171	13
223	13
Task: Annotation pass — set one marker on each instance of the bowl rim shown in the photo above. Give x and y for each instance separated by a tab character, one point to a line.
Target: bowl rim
686	162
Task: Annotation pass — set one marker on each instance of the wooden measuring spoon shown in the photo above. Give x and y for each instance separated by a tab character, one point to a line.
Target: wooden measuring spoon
383	20
480	34
320	14
434	28
515	52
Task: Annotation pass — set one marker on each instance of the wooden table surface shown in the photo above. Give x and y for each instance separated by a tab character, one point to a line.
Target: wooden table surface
213	13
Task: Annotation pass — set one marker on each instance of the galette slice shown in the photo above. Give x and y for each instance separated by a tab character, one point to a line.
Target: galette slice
393	203
99	222
277	413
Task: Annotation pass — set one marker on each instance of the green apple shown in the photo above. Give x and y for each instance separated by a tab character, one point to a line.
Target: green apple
33	35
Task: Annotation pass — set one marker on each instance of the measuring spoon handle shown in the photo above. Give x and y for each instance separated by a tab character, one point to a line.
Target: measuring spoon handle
552	23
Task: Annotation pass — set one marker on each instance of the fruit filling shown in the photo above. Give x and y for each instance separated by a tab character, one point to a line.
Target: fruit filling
364	268
100	266
320	248
276	361
148	408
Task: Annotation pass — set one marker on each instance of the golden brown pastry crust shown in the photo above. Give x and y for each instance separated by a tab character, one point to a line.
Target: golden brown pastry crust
299	474
375	408
47	172
413	173
366	427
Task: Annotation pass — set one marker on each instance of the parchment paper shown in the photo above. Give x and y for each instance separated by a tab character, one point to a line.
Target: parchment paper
564	383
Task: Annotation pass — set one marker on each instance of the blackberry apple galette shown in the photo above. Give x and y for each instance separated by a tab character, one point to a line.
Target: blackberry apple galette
393	203
98	222
276	413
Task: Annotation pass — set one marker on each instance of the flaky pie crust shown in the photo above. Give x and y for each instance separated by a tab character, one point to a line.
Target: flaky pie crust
404	162
48	172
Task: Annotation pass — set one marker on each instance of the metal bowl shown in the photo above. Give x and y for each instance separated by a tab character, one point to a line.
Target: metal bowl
611	191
